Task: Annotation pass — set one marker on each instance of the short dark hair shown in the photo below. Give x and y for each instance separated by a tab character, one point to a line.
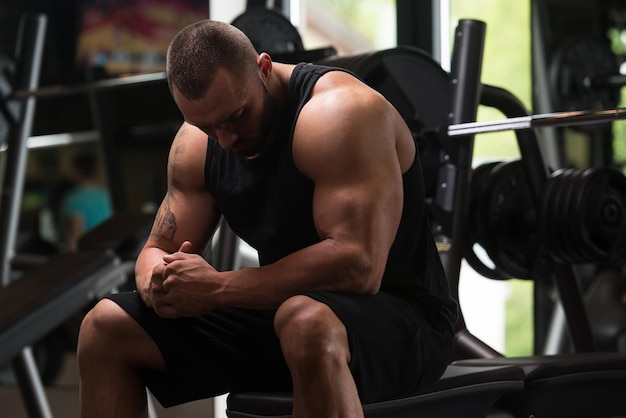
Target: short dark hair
200	49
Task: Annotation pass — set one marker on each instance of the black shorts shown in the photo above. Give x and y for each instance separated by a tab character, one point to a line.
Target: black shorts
395	349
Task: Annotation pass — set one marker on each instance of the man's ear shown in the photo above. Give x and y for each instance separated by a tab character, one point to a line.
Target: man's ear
264	62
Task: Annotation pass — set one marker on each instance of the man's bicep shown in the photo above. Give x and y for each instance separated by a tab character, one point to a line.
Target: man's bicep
364	208
353	162
358	194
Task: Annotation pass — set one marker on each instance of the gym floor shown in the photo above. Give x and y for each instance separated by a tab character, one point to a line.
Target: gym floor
63	399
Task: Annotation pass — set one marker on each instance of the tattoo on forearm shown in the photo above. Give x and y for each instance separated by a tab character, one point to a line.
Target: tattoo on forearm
165	223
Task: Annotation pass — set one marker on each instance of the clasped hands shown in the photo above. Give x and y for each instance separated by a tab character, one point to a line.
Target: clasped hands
182	285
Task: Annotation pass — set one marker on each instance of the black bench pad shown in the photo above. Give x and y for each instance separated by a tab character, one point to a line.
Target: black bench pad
462	391
125	233
49	293
565	385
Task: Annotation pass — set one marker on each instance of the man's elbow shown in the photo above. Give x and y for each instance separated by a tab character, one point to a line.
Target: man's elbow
371	288
367	273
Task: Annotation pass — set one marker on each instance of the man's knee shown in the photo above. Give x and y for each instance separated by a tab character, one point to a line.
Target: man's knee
108	333
310	331
101	324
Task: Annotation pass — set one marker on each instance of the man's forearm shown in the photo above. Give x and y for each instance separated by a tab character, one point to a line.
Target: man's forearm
147	259
328	266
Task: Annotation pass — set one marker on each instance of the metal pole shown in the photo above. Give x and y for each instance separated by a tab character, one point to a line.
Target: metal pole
455	163
226	254
451	196
32	391
29	53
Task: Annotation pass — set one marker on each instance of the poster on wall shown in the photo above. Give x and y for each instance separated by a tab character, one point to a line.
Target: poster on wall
131	36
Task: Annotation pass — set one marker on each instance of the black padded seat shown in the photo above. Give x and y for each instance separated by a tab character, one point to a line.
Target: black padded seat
470	392
565	385
125	233
50	293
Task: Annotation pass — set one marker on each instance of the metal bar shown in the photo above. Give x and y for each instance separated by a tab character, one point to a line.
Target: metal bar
68	90
571	297
29	53
579	117
451	196
58	140
228	242
32	390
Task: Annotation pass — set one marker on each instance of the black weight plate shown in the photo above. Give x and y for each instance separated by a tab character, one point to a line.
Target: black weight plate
550	216
557	224
545	212
570	228
512	242
419	89
603	211
269	31
477	225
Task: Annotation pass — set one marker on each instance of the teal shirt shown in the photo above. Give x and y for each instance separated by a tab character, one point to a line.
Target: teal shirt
92	203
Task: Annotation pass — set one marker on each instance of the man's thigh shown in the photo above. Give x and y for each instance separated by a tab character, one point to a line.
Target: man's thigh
226	350
394	347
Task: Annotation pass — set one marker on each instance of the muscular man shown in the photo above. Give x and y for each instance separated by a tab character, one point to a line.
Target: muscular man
320	174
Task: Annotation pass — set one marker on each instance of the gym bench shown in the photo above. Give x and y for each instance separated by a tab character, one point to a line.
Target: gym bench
42	299
462	391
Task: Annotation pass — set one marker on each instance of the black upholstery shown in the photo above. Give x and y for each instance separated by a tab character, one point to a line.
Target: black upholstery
125	233
562	386
565	385
48	294
467	391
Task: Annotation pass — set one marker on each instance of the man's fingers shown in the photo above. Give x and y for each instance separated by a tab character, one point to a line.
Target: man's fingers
167	311
186	247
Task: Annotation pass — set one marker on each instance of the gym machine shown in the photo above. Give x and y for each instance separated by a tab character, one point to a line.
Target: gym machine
54	288
588	211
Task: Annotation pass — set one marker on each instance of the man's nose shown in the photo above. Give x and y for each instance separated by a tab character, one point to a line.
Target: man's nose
226	138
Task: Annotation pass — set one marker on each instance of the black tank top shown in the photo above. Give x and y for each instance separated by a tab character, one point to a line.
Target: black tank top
268	203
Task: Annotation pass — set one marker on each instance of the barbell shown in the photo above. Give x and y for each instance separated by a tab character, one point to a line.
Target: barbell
554	119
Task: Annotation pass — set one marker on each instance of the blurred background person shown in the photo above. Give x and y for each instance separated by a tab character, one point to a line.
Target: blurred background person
88	203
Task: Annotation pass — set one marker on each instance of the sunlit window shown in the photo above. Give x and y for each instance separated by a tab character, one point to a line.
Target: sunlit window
350	26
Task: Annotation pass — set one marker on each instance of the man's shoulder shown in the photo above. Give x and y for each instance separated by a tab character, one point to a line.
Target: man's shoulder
340	95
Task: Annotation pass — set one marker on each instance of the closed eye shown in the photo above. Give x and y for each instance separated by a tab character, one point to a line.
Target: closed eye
237	115
228	122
